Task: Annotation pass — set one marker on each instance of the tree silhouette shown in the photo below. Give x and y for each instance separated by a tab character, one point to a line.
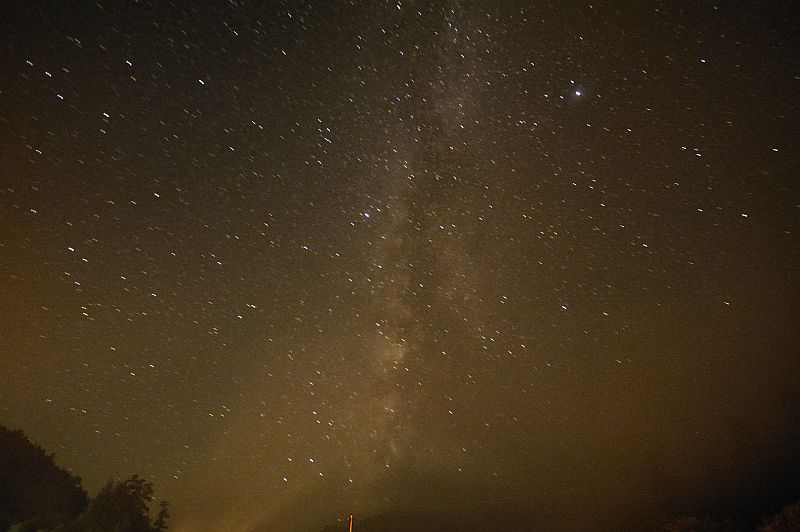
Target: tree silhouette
123	507
36	495
32	487
161	519
787	520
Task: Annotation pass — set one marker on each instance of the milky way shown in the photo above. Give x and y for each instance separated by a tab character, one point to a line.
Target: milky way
521	263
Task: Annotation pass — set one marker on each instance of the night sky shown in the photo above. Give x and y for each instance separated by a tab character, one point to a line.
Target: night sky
508	260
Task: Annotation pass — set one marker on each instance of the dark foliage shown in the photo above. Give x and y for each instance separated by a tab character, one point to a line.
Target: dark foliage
32	486
123	507
36	495
787	520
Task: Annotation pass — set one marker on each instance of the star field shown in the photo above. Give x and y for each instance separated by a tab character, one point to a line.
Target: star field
295	260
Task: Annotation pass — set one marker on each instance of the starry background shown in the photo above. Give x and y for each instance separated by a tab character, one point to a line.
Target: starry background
292	260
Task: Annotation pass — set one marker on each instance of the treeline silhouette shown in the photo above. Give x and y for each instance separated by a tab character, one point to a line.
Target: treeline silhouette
786	520
37	495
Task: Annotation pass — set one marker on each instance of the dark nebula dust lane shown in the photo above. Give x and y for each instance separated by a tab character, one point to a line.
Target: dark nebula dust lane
436	264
